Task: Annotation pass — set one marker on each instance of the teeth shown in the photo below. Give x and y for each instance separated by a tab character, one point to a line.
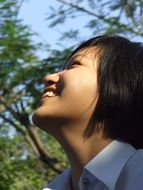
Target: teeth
49	94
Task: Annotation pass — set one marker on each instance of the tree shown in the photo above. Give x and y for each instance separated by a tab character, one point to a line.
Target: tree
21	73
124	17
19	85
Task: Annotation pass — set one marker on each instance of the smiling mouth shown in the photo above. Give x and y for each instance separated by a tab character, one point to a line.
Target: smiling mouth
49	94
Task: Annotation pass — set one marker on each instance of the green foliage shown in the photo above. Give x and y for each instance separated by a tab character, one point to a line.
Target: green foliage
16	49
21	73
17	169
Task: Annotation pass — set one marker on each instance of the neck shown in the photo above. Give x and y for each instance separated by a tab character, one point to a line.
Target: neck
81	150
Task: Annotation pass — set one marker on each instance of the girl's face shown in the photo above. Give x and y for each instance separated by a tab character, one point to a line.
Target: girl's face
69	95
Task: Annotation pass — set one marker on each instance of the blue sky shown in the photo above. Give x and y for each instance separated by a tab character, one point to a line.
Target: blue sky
34	12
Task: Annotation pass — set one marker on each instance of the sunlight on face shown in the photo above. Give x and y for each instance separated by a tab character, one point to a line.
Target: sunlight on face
73	91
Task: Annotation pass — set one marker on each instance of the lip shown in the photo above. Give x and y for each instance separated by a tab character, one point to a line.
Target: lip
46	98
50	89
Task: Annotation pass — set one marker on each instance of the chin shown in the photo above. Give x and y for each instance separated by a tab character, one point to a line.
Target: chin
40	122
48	123
36	118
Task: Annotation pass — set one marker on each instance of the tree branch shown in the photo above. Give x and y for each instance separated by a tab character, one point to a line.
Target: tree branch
8	108
100	17
82	9
12	123
42	153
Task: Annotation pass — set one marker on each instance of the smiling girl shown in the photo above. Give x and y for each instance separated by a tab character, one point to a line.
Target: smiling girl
94	108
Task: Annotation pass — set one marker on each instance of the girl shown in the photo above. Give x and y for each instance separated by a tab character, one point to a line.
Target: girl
94	108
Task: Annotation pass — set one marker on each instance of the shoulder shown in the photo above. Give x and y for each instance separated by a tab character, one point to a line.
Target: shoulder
135	163
131	177
61	182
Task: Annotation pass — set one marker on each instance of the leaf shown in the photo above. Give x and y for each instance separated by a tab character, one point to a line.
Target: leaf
92	4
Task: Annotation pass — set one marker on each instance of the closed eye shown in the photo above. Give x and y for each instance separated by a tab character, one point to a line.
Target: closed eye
73	64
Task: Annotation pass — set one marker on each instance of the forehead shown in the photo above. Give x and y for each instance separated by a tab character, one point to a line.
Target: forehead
88	53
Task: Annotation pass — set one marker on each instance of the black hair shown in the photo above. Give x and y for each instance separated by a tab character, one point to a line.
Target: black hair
120	88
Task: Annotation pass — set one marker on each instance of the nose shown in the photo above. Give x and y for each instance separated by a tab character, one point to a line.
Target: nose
51	79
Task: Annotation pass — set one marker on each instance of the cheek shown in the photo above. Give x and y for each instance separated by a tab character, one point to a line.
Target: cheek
80	92
81	83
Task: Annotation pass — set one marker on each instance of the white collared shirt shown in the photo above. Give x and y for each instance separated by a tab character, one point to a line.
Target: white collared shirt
117	167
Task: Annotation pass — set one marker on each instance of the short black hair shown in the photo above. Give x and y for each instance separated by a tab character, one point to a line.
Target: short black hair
120	88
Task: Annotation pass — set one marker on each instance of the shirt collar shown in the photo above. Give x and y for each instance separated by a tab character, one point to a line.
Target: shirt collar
63	181
107	165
